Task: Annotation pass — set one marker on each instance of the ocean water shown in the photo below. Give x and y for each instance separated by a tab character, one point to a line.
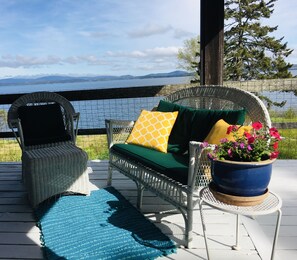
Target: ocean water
94	113
14	89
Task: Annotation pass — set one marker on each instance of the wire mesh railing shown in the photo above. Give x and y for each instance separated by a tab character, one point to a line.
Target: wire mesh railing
95	106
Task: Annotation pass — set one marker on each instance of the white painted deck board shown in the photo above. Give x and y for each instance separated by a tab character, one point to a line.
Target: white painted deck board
19	236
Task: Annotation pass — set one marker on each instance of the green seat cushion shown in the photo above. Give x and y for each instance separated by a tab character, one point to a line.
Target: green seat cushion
195	124
172	165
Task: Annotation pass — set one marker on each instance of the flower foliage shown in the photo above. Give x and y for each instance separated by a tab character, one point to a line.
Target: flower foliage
256	145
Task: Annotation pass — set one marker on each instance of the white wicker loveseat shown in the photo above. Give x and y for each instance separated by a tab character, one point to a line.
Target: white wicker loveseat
45	126
181	193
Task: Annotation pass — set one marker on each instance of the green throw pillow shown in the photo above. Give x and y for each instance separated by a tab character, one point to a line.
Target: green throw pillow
180	134
195	124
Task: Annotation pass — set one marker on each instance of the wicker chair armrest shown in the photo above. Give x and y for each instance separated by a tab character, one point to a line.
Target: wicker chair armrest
13	123
118	130
74	128
76	116
15	126
199	165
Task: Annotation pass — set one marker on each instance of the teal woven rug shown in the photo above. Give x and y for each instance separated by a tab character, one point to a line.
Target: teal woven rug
101	226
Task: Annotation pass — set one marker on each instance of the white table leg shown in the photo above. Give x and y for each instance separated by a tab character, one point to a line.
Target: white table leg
204	229
237	246
276	232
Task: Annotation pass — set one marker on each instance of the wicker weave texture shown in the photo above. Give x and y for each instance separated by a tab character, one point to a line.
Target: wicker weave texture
38	98
54	170
221	97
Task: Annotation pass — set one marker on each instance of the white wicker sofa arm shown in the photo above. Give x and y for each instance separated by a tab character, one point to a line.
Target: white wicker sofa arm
199	174
117	131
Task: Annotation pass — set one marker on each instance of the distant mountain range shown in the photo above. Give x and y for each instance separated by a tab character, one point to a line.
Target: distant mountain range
69	79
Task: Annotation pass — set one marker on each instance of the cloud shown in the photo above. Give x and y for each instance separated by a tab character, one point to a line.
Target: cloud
163	51
91	60
148	60
158	54
149	30
170	51
126	54
17	61
66	36
180	33
153	29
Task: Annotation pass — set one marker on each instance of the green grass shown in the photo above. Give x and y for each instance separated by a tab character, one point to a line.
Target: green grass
96	147
288	116
283	120
9	151
288	146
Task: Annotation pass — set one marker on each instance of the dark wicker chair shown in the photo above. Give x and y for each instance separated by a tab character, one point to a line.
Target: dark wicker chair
45	126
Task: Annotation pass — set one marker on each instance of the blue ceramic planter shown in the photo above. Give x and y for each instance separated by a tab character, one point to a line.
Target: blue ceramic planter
241	178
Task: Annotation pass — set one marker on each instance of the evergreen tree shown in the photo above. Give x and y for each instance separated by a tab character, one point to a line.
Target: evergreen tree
250	52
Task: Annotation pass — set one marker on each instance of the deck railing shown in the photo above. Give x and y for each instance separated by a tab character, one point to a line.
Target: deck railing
126	103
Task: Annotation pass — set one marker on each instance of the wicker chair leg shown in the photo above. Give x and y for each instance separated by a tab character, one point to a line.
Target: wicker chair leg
188	218
140	189
109	176
189	230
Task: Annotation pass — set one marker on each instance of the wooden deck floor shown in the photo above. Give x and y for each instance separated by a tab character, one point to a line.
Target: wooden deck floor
19	237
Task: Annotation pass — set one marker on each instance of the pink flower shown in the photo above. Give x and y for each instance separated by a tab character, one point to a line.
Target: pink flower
235	144
251	140
274	154
224	140
210	156
274	133
275	146
229	129
204	145
232	128
257	125
258	144
241	145
247	134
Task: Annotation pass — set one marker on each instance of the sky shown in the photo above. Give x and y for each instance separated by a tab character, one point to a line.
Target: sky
107	37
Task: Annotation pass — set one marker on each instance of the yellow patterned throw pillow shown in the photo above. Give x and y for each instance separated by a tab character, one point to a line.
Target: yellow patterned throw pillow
219	131
152	129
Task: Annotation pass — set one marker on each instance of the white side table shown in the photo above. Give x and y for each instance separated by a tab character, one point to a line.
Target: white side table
270	205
